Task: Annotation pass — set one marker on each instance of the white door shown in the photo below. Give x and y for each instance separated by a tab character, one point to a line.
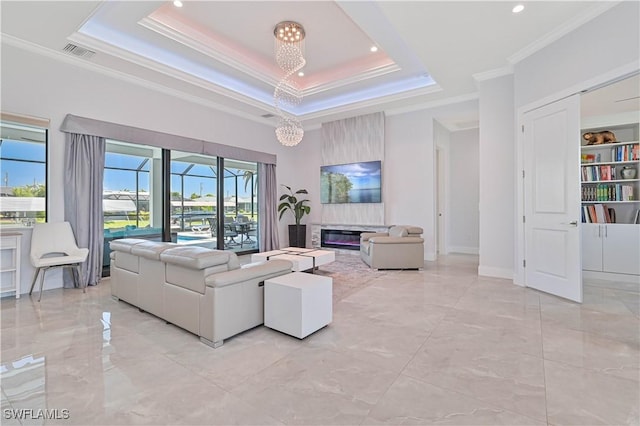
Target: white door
440	202
552	199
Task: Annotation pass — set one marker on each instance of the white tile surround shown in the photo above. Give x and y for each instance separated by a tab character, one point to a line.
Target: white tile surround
440	345
348	141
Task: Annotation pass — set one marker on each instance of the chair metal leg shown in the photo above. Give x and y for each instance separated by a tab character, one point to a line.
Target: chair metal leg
44	272
35	277
73	275
84	285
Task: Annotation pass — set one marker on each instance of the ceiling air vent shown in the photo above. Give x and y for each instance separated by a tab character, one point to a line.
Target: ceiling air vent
267	115
81	52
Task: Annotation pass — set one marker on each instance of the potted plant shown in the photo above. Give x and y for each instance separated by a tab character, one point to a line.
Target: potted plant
297	232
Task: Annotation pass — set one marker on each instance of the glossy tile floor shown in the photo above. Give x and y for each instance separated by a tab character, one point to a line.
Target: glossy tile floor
439	346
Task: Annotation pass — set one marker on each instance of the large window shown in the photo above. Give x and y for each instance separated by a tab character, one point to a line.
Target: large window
132	193
23	170
209	211
134	184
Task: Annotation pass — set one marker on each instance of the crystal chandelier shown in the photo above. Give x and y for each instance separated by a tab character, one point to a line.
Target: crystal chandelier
289	50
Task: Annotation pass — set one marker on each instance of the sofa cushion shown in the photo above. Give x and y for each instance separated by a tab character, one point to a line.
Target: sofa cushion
199	257
252	271
126	244
398	231
396	240
414	230
151	249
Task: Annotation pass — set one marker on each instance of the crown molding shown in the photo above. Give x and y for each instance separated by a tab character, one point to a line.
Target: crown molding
564	29
206	49
372	102
141	82
376	72
216	51
106	48
491	74
83	63
433	104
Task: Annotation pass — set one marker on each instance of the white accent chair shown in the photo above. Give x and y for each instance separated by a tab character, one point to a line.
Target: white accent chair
54	245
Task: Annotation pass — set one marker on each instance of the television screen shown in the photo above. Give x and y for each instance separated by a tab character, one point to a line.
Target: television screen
351	183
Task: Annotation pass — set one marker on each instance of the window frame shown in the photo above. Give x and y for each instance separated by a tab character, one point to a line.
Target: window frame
38	124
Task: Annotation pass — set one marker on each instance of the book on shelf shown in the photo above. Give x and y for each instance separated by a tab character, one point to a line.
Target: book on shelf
598	213
630	152
608	192
600	216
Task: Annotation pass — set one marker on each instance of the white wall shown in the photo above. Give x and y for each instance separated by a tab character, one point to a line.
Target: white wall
299	168
40	86
409	174
464	191
497	177
610	41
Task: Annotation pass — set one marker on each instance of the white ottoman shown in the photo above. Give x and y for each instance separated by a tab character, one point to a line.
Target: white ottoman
265	255
298	304
300	263
320	257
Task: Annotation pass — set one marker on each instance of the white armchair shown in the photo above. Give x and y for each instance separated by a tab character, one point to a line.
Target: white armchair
402	247
54	245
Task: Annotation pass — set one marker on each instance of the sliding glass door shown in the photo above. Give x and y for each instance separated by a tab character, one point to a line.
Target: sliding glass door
212	212
204	207
194	196
132	193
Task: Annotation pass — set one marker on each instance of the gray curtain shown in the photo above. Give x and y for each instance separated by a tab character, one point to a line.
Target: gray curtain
268	207
84	164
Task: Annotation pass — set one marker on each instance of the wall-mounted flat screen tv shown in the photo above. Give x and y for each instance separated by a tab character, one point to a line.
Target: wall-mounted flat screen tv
351	183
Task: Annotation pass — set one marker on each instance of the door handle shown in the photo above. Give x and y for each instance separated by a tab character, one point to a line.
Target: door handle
573	223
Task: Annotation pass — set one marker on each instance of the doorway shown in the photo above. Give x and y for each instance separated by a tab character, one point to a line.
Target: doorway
441	172
590	100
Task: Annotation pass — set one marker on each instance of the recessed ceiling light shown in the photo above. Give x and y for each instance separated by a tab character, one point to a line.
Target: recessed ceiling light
300	74
517	9
374	48
177	3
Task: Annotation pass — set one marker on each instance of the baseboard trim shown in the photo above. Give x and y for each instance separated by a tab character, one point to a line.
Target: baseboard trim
464	250
488	271
610	276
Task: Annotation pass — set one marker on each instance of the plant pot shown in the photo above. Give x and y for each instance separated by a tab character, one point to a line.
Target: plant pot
298	236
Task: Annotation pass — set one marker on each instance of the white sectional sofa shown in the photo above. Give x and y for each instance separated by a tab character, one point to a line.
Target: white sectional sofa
204	291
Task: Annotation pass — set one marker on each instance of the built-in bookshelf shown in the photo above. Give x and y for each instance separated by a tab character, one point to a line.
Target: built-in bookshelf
611	205
610	177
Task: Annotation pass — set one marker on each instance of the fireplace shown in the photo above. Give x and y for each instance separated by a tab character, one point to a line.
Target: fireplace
340	238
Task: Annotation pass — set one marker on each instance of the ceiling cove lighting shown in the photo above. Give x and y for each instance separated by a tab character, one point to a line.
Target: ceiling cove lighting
289	51
517	9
